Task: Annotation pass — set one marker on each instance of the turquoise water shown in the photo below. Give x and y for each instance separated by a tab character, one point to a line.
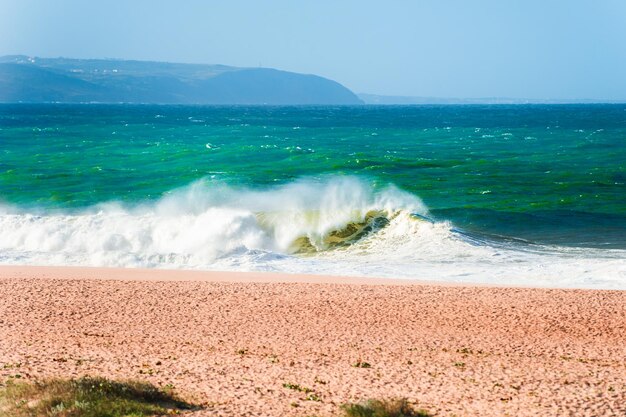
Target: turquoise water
536	176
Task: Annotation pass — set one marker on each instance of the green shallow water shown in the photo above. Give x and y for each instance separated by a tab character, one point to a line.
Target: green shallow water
549	174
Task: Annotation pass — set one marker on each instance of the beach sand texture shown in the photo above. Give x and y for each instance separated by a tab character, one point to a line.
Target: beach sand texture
231	340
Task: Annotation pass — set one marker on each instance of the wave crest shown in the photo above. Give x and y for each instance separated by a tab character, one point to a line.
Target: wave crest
206	220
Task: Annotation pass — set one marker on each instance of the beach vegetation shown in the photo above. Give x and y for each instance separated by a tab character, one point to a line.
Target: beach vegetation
87	397
11	365
383	408
361	364
313	397
297	387
148	371
317	380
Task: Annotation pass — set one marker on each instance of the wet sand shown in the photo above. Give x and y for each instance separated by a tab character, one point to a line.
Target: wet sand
231	340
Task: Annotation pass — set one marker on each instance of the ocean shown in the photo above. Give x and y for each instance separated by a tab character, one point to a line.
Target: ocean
507	195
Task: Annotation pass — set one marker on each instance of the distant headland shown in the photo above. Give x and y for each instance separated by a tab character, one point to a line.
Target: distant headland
66	80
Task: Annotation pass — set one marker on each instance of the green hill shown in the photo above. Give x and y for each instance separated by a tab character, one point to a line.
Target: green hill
27	79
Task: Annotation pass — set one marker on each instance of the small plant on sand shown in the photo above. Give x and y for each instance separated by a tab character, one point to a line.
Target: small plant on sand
382	408
320	381
297	387
11	365
313	397
361	364
87	397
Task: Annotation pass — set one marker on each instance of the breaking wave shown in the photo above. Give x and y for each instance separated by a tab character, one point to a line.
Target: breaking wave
205	221
336	225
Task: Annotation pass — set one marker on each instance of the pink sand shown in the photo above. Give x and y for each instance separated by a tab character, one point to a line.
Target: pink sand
230	340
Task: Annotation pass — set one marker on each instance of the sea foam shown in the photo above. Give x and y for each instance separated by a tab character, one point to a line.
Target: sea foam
333	225
195	225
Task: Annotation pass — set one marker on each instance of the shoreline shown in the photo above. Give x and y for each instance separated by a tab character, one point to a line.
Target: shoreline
236	342
165	275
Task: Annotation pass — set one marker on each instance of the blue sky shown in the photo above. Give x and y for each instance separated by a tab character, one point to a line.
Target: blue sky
549	49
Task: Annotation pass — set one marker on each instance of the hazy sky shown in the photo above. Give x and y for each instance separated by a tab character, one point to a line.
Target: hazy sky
440	48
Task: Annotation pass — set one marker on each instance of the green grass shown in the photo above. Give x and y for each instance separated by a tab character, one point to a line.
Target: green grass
87	397
382	408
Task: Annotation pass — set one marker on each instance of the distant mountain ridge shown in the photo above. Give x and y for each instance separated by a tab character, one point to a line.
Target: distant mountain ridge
32	79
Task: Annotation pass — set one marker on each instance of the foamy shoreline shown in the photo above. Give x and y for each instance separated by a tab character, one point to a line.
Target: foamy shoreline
156	275
146	274
231	340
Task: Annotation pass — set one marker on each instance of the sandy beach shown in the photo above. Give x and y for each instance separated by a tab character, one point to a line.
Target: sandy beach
230	341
